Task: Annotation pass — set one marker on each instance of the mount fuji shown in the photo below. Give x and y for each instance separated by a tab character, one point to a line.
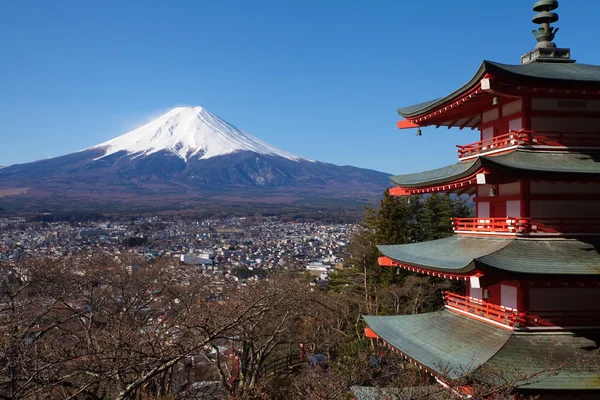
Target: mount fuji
186	156
190	132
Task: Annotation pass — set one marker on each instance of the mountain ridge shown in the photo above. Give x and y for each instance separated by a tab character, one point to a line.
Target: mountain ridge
187	153
189	132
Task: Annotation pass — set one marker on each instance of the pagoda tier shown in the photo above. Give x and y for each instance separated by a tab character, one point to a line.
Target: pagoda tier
468	256
470	105
516	284
530	256
451	347
463	177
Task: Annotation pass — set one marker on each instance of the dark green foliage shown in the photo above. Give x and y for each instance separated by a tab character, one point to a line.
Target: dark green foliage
412	219
245	273
401	220
393	222
135	241
437	213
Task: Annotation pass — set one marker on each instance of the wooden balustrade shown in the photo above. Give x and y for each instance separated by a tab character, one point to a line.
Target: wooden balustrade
529	138
487	225
550	319
519	319
482	309
528	226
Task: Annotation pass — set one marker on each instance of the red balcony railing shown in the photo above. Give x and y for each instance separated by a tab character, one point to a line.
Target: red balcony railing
482	309
520	319
528	226
549	319
529	138
487	225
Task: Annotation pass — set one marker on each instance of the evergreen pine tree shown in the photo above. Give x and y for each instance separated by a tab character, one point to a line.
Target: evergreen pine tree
438	211
392	224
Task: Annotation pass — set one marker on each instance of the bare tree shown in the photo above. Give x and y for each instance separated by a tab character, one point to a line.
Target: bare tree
107	328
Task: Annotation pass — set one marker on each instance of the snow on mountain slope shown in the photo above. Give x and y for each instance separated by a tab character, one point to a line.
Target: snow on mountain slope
189	132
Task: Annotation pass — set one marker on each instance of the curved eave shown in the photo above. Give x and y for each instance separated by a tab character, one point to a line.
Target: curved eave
519	163
454	346
547	74
564	257
440	273
535	74
567	362
444	342
549	165
463	256
452	255
438	176
428	106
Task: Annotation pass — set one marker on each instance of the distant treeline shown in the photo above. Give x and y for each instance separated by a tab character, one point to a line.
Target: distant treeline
295	214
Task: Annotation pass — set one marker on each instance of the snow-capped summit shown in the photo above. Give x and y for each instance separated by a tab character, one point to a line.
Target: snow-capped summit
189	132
187	157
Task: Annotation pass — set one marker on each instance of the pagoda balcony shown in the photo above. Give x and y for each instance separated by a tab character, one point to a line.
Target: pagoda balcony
529	139
554	227
519	320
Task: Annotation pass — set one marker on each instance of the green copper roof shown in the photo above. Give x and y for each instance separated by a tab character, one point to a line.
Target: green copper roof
440	175
536	73
527	161
445	342
462	254
520	163
456	346
453	254
571	73
555	257
549	361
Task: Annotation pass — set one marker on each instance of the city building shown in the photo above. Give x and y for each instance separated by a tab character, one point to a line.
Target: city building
530	257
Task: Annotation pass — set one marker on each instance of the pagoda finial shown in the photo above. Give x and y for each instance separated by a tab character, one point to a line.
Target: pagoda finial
544	17
546	50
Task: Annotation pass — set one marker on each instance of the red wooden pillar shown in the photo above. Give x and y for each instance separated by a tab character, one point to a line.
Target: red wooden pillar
523	296
525	198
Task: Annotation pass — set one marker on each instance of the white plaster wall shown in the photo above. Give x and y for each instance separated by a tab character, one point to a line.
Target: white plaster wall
483	210
566	188
506	189
515	124
564	299
513	208
512	108
487	133
558	124
508	296
490	115
476	293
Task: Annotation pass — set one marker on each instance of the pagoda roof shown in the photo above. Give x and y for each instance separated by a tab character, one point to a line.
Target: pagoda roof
572	361
537	73
466	254
521	162
552	256
456	346
454	254
445	342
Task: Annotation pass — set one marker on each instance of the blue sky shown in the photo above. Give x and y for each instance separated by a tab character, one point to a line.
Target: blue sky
321	79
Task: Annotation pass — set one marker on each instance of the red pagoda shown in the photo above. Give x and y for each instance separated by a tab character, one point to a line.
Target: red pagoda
531	256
